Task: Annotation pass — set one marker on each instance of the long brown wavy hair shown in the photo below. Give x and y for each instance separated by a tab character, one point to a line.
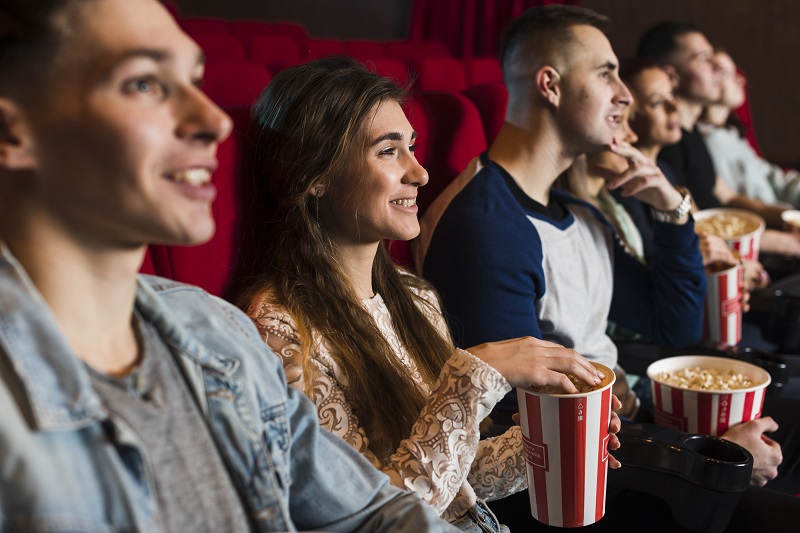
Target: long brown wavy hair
305	132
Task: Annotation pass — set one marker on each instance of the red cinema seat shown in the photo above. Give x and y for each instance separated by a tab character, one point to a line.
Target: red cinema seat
390	68
147	265
209	265
220	46
450	134
274	52
413	51
441	74
400	252
194	26
235	84
365	50
483	70
316	48
246	28
490	99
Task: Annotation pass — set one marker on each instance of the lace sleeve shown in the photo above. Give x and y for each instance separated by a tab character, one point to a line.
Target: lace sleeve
436	458
499	467
279	331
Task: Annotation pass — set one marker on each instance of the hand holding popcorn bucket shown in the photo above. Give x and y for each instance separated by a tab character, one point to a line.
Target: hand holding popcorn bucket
739	228
566	450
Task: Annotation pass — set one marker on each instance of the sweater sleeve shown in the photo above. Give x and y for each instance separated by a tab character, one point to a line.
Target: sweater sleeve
665	300
436	458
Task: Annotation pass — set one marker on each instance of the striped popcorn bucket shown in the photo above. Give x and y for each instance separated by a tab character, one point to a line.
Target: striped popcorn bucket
747	244
722	323
709	412
565	437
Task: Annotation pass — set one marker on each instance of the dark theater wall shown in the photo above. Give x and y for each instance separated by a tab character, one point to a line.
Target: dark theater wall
342	19
761	36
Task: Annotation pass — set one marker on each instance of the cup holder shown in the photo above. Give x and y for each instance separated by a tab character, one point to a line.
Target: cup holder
718	450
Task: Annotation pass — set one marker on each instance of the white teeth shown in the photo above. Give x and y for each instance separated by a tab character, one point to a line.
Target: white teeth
193	176
405	203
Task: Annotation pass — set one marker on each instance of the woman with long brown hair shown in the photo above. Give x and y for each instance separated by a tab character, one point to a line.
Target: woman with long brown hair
332	174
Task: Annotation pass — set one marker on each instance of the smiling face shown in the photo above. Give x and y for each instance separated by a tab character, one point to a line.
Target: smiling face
593	97
378	199
733	83
655	117
124	148
698	72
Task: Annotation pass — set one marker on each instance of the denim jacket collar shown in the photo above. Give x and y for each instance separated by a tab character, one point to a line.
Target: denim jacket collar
58	388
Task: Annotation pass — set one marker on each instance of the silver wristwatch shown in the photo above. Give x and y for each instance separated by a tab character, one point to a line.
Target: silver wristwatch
677	213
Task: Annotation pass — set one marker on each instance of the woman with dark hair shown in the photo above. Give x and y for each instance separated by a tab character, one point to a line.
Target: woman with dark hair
332	174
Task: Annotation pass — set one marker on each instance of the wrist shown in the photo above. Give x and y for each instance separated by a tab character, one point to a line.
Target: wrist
679	213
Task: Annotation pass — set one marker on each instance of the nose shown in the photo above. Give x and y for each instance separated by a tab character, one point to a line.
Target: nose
623	94
670	105
630	136
415	173
202	120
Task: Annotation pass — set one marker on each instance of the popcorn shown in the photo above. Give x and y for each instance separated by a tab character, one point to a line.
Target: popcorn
696	378
726	225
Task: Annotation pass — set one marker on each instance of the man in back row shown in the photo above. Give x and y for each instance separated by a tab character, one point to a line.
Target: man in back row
139	404
513	256
688	56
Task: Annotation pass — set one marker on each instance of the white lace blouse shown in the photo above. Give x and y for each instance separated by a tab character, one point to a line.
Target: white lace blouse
443	459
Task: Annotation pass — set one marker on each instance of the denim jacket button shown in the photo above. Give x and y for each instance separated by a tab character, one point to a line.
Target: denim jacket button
268	513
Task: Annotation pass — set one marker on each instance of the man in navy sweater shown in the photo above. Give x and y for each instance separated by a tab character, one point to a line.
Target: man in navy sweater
512	256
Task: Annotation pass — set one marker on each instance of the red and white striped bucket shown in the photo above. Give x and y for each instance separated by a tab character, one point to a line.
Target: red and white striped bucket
710	412
748	244
722	324
566	450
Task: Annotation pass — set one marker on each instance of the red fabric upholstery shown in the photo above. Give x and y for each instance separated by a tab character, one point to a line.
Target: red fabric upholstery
400	252
363	50
483	70
296	31
274	52
390	68
490	99
450	135
441	74
410	52
316	48
220	46
193	26
147	265
743	113
209	264
235	83
468	27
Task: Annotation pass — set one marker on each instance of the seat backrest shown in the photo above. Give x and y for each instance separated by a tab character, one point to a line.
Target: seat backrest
365	50
235	83
245	28
209	264
483	70
490	99
316	48
274	52
389	68
194	26
220	46
441	74
450	135
408	51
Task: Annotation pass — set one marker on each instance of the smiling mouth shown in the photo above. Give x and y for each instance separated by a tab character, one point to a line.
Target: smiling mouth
408	202
192	176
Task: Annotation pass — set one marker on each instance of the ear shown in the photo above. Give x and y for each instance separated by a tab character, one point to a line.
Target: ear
16	144
547	84
318	190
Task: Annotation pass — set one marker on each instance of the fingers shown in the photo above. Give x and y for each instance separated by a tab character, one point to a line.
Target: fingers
615	425
613	463
765	425
515	418
616	405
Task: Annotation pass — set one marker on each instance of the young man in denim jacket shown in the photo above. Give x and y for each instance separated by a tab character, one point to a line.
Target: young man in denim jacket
132	403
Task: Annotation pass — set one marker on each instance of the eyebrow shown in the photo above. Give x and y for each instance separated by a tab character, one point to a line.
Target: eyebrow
391	136
159	56
610	65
